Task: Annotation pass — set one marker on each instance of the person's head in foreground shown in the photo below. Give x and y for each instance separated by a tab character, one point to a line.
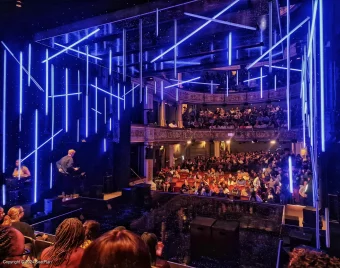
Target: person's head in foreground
14	214
12	247
117	249
68	238
303	257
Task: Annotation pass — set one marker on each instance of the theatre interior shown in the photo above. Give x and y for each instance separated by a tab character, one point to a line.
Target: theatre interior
178	133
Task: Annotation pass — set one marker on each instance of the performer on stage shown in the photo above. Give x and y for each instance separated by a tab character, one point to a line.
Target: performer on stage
65	164
23	173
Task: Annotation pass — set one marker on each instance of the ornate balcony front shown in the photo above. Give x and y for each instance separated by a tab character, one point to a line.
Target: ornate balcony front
149	134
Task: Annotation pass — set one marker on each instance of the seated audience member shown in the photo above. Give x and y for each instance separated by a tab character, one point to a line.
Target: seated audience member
305	258
173	124
12	247
155	249
185	187
153	185
66	251
2	214
91	229
120	249
13	217
302	192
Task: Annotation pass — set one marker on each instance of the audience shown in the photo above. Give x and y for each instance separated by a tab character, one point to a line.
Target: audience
66	251
251	117
13	217
12	247
155	249
91	229
120	249
2	214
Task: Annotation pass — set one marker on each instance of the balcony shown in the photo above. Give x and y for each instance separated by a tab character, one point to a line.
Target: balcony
140	133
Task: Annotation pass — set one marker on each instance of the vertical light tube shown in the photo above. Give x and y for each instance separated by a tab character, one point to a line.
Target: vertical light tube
328	238
110	124
133	95
140	60
322	77
124	55
288	65
4	100
87	94
157	21
78	85
162	63
36	156
110	61
96	51
66	100
261	83
237	77
124	98
105	110
146	59
118	100
162	90
290	174
3	194
46	79
311	113
29	63
303	102
20	92
274	82
211	87
52	94
155	87
230	48
51	175
270	35
19	167
175	50
96	105
146	94
104	145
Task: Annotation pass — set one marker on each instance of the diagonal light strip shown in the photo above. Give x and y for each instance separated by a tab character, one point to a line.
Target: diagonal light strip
113	95
278	43
315	8
183	82
70	46
198	83
78	51
256	78
283	68
41	146
63	95
220	21
25	70
96	111
130	90
197	30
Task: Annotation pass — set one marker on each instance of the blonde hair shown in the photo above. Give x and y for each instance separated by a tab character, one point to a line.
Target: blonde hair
13	215
71	151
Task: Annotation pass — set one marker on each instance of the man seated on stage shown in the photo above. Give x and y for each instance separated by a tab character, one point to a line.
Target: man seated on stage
23	173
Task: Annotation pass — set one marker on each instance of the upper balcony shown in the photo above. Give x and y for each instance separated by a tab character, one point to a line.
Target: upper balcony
151	134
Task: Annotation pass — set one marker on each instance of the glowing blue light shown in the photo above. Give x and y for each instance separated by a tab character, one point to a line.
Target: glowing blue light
27	156
274	82
105	110
78	51
288	66
97	112
87	94
315	8
110	62
236	77
183	62
155	87
124	97
110	124
78	130
64	95
290	174
78	85
29	64
322	78
20	93
4	113
278	43
183	82
195	31
221	21
230	48
51	175
141	60
256	78
66	100
198	83
70	46
157	21
162	90
46	79
176	93
130	90
52	92
35	156
113	95
146	94
175	50
261	83
19	167
96	105
104	145
133	95
283	68
10	52
227	85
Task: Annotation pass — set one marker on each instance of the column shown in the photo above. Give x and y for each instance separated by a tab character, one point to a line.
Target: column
162	121
216	148
179	115
228	146
148	164
148	106
171	155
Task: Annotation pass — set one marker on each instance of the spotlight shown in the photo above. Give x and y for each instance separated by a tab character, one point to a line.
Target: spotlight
189	142
228	141
272	141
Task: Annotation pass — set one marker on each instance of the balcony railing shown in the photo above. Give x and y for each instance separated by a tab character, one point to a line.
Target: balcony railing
141	133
